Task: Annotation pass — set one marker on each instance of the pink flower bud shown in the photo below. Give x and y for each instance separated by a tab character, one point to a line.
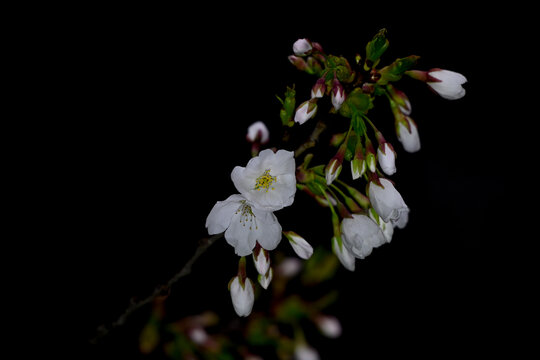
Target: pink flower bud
305	111
258	132
338	94
318	89
302	47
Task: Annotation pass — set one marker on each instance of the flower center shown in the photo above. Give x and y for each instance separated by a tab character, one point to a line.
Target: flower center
247	216
264	181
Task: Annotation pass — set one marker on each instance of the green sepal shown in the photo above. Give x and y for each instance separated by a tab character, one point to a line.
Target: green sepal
395	70
375	48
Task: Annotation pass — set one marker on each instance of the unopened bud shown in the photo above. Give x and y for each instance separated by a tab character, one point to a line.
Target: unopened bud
305	111
258	132
318	89
265	279
300	246
302	47
338	94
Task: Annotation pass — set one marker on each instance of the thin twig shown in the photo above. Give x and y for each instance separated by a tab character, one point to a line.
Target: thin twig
313	138
162	290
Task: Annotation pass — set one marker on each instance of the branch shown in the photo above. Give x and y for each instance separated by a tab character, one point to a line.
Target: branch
161	290
313	138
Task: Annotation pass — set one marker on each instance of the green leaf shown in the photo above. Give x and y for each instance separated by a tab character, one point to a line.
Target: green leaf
375	48
395	71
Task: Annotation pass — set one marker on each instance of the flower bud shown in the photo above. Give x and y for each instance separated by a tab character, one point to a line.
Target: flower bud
261	258
264	280
447	83
305	111
303	351
333	169
289	267
388	203
318	89
258	132
370	156
329	326
387	158
338	94
300	246
400	98
407	134
358	163
298	62
242	296
302	47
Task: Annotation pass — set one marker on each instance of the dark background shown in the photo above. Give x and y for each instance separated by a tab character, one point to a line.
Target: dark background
166	100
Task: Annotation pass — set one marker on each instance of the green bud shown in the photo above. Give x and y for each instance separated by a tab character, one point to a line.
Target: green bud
395	71
375	48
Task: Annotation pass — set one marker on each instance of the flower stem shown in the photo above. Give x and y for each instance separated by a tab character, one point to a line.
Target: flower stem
159	291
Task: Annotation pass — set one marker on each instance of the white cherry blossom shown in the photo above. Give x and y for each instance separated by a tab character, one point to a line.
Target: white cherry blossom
268	181
244	225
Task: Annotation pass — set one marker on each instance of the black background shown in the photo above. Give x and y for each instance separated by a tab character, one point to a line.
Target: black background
166	97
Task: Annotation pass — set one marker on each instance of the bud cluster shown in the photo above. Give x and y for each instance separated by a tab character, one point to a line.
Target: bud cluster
361	221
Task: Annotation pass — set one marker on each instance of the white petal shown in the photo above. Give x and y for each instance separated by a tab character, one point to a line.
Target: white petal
242	297
265	279
241	235
268	230
361	234
219	218
387	202
409	140
301	247
344	255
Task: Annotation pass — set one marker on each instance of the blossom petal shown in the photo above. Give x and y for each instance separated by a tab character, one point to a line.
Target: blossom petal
242	297
219	218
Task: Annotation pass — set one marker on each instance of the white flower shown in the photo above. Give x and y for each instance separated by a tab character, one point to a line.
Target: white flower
262	261
387	158
449	84
258	132
346	258
409	139
305	111
242	296
244	225
305	352
388	203
265	279
361	234
268	181
300	246
386	227
302	47
329	326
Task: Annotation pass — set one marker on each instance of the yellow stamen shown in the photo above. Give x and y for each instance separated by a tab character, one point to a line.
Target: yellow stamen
264	181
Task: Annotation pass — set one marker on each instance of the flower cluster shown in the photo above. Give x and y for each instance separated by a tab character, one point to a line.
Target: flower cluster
268	183
362	222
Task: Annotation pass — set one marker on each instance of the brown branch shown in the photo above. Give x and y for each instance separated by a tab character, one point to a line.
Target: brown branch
313	138
162	290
